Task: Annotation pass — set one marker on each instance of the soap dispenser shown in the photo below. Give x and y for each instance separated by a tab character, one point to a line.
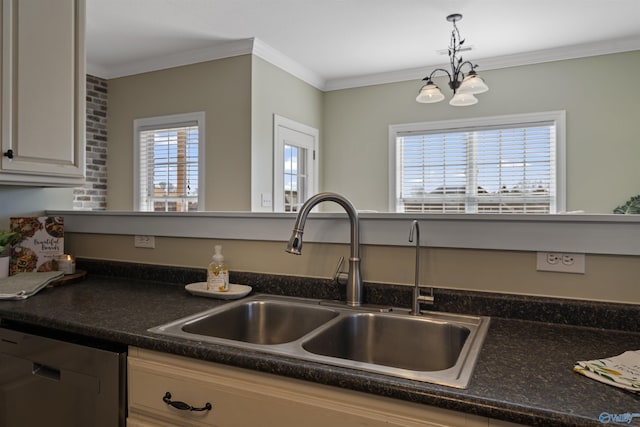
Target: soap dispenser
218	272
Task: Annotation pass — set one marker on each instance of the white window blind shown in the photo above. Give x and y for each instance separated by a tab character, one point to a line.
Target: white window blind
494	168
169	156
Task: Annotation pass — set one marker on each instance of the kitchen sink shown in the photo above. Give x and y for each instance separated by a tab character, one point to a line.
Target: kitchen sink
261	322
413	343
439	348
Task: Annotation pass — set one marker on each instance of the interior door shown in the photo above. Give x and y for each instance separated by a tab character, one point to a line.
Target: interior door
295	164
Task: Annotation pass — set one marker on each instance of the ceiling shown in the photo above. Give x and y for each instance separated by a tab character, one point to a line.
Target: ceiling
342	43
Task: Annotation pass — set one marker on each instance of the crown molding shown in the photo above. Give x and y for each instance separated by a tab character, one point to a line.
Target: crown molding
492	63
218	51
563	53
221	50
280	60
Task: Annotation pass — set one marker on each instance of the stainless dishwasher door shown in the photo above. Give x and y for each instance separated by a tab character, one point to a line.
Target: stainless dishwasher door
48	382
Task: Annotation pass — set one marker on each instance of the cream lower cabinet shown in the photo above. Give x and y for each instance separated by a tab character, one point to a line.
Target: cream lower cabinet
43	92
241	397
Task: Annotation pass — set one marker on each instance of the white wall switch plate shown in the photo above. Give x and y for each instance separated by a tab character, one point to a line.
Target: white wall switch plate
266	201
144	242
561	262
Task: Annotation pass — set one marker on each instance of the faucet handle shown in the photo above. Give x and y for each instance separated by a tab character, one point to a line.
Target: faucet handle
340	276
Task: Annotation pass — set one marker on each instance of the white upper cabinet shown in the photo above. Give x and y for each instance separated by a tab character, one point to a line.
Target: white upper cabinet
43	92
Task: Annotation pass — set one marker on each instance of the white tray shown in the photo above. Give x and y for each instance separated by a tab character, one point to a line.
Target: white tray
235	291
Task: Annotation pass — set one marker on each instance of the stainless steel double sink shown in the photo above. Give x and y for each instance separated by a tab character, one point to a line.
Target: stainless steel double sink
435	347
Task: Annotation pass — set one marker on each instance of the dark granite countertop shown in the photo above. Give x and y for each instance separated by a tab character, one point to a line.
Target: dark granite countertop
524	372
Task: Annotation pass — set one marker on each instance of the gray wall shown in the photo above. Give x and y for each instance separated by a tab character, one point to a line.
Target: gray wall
275	91
222	89
597	93
240	96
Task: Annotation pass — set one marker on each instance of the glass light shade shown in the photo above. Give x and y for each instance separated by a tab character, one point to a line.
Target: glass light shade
463	99
429	93
473	84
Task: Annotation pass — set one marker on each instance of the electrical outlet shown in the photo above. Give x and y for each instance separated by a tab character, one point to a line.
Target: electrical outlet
553	259
144	242
561	262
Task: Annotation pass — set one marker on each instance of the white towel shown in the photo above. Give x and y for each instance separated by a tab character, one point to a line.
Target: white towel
23	285
620	371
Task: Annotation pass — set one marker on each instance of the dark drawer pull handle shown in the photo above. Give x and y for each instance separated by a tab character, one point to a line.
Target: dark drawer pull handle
184	406
9	154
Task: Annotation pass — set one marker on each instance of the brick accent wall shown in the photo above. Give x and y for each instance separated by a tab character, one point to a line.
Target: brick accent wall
93	195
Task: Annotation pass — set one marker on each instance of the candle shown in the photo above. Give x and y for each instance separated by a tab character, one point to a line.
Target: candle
66	263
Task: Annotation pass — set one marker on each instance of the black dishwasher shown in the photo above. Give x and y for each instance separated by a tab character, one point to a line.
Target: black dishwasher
55	382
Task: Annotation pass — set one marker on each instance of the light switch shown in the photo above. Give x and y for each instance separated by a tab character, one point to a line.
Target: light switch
265	200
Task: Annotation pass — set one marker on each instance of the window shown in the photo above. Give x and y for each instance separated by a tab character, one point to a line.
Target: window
506	164
294	170
169	152
295	177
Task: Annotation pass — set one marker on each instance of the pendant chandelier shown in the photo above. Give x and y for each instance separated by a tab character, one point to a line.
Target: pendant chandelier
464	86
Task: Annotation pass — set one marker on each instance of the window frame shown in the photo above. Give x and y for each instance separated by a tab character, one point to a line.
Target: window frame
312	161
162	122
558	117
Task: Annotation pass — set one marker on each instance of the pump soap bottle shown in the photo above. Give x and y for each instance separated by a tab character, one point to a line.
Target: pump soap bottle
218	272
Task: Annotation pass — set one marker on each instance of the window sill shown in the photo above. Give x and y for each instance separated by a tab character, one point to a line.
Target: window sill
596	234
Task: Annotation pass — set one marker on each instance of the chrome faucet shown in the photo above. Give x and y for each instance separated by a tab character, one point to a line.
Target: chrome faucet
417	297
354	280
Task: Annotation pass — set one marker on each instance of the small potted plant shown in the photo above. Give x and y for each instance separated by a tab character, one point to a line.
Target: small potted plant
630	208
7	239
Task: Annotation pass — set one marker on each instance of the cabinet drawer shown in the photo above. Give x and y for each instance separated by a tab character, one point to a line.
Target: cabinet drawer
147	387
243	398
235	401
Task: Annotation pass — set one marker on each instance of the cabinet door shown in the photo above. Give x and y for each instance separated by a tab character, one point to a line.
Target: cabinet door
43	91
245	398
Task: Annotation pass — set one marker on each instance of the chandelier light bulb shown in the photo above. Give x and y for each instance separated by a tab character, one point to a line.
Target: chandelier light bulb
429	93
463	99
473	84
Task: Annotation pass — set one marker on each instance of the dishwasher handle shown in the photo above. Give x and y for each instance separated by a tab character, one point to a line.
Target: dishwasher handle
184	406
46	371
